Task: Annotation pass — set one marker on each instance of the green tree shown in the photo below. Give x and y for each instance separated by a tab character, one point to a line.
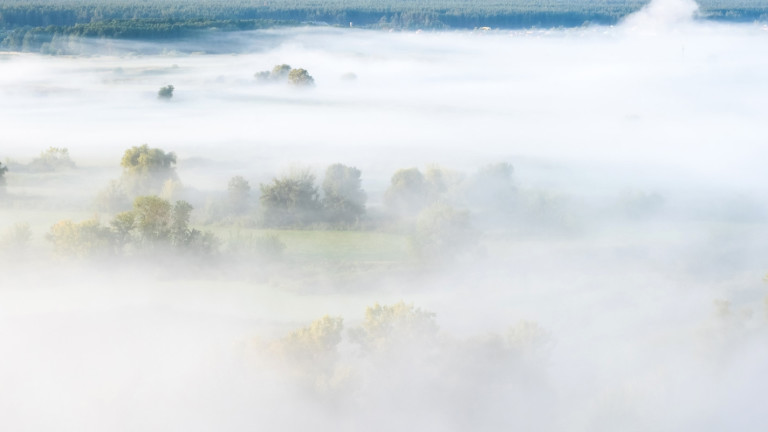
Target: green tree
343	198
155	223
146	169
283	73
407	193
280	72
290	201
238	194
165	92
300	77
152	219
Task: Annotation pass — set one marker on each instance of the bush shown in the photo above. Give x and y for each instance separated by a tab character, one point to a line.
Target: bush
166	92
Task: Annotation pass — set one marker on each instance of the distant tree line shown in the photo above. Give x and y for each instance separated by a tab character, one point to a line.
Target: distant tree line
33	25
437	208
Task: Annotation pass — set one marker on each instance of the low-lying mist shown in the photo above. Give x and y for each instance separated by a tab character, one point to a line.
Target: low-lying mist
618	286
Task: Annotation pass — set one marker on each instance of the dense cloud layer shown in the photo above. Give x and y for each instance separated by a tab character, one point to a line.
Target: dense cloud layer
593	322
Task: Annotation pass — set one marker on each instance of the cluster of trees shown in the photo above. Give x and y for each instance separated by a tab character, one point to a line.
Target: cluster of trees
437	208
404	338
285	73
51	27
293	200
62	39
52	159
153	225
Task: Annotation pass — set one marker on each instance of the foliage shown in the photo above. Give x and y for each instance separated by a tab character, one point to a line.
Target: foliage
343	198
165	92
300	77
147	169
387	327
314	343
239	194
48	26
290	201
53	159
407	193
156	223
87	238
284	73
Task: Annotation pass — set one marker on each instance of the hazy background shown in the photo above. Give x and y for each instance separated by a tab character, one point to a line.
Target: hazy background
653	324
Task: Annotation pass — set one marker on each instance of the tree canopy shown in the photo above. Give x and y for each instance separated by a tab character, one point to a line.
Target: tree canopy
285	73
290	201
145	169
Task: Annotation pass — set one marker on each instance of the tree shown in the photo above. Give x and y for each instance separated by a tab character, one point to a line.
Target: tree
396	326
290	201
155	223
53	159
407	192
300	77
343	198
239	193
278	73
283	73
165	92
87	238
147	169
314	343
152	219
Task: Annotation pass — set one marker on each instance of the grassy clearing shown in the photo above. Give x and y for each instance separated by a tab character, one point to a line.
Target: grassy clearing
332	246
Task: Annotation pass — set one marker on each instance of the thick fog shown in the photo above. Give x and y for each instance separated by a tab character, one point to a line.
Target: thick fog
628	296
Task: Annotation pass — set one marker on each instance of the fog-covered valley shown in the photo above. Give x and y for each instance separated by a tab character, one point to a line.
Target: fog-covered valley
585	249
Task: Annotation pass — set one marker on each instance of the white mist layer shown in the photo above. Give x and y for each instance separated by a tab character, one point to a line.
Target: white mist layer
636	341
